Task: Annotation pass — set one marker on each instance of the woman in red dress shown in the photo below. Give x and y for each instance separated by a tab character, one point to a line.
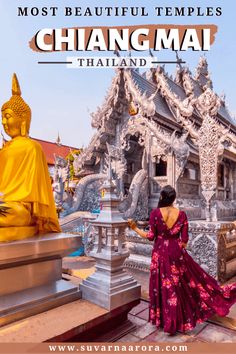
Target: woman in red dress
181	293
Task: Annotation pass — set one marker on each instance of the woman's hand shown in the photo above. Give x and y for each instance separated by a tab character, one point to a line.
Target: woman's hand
132	224
183	244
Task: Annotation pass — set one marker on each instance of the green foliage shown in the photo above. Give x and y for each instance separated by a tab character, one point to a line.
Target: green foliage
70	158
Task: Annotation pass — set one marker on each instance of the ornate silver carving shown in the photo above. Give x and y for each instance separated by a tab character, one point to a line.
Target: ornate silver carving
212	137
104	112
203	245
162	142
145	104
118	162
187	82
89	237
208	103
81	188
61	175
204	251
202	74
181	151
87	153
213	245
142	209
182	110
134	190
209	143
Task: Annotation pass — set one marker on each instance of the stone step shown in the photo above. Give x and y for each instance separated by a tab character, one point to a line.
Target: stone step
35	300
78	321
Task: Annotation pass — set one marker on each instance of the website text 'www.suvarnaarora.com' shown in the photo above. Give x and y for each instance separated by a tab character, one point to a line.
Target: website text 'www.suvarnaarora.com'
103	348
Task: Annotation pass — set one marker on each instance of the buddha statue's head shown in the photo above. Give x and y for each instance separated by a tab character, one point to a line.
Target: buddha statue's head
16	114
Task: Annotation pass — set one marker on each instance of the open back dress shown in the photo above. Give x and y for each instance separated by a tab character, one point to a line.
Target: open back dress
181	293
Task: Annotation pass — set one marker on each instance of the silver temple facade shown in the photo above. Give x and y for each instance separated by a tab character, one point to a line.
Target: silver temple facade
161	130
158	130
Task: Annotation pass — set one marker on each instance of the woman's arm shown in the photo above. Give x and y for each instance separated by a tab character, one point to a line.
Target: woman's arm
134	227
184	232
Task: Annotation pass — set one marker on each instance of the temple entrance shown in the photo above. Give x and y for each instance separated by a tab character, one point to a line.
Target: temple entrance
161	168
133	157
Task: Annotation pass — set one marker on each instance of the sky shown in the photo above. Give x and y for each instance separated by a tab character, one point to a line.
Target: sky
62	99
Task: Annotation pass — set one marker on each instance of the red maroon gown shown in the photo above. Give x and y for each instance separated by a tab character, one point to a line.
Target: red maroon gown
181	293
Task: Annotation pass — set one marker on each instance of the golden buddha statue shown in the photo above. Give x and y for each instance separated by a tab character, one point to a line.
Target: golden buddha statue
27	206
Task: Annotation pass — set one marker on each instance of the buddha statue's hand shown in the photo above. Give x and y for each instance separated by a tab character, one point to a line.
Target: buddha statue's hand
3	209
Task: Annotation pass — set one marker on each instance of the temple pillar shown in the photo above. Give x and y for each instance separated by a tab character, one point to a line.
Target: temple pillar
171	170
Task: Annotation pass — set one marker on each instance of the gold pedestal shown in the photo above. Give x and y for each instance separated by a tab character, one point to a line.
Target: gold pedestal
15	233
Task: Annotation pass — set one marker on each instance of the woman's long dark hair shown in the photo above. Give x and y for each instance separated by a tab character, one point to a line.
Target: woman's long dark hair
167	196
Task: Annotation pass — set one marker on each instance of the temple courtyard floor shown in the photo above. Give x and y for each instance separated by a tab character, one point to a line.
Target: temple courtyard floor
80	267
206	332
58	324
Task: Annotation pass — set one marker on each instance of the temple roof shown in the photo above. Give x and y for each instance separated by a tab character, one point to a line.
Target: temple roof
156	94
149	88
223	111
51	149
161	105
176	88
